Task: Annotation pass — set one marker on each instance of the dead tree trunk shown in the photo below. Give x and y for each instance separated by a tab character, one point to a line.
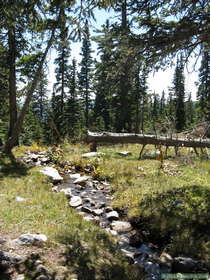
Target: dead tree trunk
107	137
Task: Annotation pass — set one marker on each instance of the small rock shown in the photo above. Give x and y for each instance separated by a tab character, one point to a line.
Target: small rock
92	154
144	249
86	209
124	153
89	218
67	192
74	176
152	269
20	277
75	201
34	157
89	184
121	226
165	260
108	209
113	215
98	212
9	257
52	173
81	180
32	239
19	199
113	232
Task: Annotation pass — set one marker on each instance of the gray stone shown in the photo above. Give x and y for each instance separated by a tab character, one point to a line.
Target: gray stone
81	180
32	239
108	209
44	160
86	209
113	215
121	226
52	173
124	153
19	199
20	277
75	201
75	176
92	154
153	270
67	192
12	258
98	212
166	260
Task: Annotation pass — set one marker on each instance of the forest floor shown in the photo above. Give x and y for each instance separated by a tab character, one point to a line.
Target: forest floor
169	201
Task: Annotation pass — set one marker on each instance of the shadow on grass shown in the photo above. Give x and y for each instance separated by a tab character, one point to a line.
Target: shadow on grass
99	260
181	217
11	167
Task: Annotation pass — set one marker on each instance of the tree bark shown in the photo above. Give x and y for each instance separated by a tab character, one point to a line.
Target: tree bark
107	137
10	143
12	81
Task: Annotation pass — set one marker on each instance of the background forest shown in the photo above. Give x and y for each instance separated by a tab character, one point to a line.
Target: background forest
110	93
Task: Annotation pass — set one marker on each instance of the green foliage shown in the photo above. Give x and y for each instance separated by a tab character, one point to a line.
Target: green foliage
181	215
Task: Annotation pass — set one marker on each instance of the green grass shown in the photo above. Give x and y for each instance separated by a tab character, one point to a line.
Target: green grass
140	186
144	190
47	212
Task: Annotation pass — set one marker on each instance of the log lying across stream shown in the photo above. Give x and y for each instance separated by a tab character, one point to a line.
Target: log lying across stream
126	138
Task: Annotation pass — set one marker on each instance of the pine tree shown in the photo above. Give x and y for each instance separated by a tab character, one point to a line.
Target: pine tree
203	93
72	107
85	75
103	85
62	71
190	111
179	95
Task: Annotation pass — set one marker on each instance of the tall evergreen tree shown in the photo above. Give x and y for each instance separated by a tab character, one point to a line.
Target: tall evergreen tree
62	77
72	107
103	85
179	95
203	93
85	74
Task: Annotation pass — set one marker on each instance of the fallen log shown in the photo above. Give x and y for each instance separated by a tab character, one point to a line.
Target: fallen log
126	138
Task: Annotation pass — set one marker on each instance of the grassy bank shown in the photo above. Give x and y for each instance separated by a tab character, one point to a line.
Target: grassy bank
171	201
74	246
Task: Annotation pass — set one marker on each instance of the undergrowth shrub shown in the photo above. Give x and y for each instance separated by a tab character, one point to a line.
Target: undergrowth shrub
182	217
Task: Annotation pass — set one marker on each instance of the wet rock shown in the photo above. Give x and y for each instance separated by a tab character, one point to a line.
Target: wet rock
153	270
108	209
113	215
86	209
44	160
98	212
165	261
75	176
121	226
75	201
144	249
30	239
82	180
67	192
52	173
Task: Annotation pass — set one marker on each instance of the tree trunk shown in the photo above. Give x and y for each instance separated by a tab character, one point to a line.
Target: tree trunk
12	81
10	143
107	137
